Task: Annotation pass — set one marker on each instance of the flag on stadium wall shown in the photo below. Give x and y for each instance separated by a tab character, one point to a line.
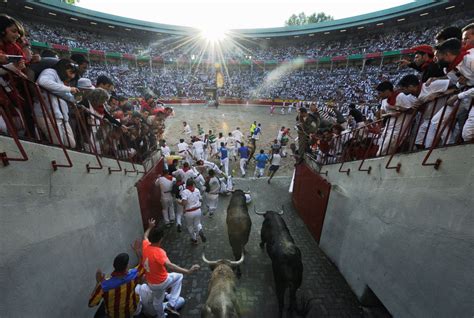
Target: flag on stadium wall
71	1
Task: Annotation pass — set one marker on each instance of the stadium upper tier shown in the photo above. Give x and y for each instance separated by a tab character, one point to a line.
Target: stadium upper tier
67	32
389	17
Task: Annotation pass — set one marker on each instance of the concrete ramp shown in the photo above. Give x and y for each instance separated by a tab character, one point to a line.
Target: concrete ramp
58	227
324	289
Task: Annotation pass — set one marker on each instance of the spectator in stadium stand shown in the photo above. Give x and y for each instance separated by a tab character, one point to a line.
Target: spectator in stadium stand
82	65
147	103
396	105
54	79
356	114
105	82
9	34
307	126
461	63
123	293
423	62
157	264
448	33
48	59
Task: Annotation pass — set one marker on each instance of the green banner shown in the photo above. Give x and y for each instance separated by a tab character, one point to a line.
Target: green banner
79	50
113	55
356	57
391	53
40	44
324	59
143	58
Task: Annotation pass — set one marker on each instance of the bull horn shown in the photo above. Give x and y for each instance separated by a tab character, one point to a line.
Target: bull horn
258	213
282	210
240	261
208	262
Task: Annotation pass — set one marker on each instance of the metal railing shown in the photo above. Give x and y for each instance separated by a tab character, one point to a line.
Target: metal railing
32	113
434	125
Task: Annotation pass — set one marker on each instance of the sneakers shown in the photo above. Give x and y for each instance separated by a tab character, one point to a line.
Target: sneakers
171	310
195	242
203	238
211	214
178	228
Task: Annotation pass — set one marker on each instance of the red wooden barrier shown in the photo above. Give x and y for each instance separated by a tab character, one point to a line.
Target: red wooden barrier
149	195
310	198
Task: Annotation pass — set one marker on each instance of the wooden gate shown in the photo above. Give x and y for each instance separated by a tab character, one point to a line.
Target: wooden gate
310	198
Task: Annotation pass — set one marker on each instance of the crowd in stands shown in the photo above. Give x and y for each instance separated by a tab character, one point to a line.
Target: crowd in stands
336	87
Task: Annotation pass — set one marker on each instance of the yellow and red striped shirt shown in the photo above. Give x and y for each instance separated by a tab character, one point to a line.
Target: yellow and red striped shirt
118	292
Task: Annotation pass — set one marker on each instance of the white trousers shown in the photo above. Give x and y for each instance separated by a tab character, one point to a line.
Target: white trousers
435	122
167	207
468	129
146	301
179	213
174	281
225	163
389	138
243	162
199	154
211	202
65	131
193	222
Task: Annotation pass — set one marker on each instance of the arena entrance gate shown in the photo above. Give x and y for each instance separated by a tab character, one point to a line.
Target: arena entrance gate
310	198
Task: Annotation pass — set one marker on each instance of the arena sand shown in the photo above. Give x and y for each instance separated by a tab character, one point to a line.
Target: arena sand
225	119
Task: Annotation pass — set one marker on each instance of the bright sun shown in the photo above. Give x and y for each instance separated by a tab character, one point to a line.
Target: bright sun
214	34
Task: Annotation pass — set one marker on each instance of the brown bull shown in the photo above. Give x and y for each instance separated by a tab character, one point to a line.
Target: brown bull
222	297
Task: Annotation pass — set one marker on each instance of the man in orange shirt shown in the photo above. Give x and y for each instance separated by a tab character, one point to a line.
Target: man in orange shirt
157	264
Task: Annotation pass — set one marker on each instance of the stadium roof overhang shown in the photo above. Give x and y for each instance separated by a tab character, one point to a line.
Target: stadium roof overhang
342	25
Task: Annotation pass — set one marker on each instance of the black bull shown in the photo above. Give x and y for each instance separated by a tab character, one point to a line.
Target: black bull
285	255
238	224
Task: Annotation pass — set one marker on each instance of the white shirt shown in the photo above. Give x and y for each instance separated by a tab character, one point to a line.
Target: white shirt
187	129
276	159
165	185
230	141
237	134
165	150
214	185
466	68
219	140
198	146
280	135
182	147
193	198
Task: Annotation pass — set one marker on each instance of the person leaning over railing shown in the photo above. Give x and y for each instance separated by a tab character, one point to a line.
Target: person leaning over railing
54	80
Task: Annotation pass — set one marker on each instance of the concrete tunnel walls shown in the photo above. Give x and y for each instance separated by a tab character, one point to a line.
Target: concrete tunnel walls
58	227
407	236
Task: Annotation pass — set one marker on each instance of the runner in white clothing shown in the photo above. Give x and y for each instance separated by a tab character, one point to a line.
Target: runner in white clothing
238	135
275	164
166	182
183	150
230	144
213	187
198	149
191	201
187	129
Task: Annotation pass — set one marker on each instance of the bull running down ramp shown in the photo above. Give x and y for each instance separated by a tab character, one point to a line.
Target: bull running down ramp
323	285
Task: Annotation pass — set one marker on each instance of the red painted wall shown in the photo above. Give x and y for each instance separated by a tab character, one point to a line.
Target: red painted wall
310	198
149	194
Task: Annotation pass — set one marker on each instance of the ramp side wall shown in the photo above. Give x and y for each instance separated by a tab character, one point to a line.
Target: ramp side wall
408	236
58	227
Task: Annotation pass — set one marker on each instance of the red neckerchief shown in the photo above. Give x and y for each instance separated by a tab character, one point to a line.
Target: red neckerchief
170	178
190	188
392	99
115	274
179	183
467	47
185	169
457	60
100	109
425	65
